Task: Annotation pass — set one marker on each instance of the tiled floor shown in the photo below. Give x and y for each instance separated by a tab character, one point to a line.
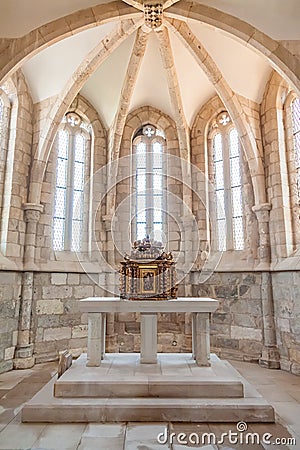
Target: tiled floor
281	389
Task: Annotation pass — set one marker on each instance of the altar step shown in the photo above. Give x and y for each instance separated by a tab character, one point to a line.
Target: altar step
175	389
46	408
170	378
170	387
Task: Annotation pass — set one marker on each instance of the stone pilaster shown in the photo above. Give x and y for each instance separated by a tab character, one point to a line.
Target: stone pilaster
32	213
262	212
24	358
270	354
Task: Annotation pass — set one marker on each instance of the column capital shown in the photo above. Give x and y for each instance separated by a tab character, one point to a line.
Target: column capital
262	211
32	211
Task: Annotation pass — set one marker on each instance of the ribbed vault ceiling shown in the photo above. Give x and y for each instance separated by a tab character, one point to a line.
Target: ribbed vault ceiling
245	71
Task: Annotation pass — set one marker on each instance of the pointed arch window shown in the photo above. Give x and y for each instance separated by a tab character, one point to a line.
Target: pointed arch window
73	151
295	109
149	167
229	210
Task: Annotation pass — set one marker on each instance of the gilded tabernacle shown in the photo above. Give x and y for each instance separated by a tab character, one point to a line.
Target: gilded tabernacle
149	272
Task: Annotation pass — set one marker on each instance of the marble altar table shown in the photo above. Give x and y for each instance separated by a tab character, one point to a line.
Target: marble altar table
97	307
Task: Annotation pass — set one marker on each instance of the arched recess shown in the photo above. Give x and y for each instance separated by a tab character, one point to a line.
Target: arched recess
201	152
16	51
135	120
18	159
277	161
149	114
98	156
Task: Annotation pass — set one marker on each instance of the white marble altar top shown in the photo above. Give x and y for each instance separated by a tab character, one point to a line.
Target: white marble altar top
115	304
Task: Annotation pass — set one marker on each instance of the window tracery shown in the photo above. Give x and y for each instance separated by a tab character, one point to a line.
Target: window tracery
148	170
73	149
227	177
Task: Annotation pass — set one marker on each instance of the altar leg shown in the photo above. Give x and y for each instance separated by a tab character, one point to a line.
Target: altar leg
148	338
103	329
95	339
202	339
194	335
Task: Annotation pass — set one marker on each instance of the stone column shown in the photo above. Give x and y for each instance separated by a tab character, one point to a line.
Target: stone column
96	339
32	212
262	212
270	354
24	358
107	220
148	338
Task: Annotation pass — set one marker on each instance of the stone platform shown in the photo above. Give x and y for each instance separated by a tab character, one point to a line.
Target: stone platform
174	389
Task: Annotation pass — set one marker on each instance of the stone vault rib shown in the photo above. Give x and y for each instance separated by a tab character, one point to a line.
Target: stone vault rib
174	91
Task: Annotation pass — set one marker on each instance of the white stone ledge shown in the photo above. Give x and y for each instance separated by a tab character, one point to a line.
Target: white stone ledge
115	304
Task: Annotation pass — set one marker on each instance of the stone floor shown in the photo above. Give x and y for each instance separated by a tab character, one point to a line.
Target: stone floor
281	389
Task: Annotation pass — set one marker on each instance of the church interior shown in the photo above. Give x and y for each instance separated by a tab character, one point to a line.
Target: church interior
174	125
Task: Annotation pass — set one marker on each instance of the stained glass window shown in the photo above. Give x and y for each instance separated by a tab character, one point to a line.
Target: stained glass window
236	190
219	189
296	137
228	187
69	192
149	198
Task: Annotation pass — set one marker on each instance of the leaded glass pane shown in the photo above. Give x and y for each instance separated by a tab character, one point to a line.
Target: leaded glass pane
63	143
157	215
157	160
140	181
235	171
61	172
238	232
157	147
220	204
141	230
157	181
141	216
140	202
221	226
76	235
236	198
77	205
234	149
141	148
218	151
219	175
296	115
60	203
58	233
78	176
79	148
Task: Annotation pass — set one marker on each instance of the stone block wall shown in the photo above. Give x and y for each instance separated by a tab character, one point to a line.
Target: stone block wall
10	294
236	326
286	295
57	323
236	329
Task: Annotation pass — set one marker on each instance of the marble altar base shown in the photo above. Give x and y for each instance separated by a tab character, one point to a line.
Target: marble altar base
174	389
